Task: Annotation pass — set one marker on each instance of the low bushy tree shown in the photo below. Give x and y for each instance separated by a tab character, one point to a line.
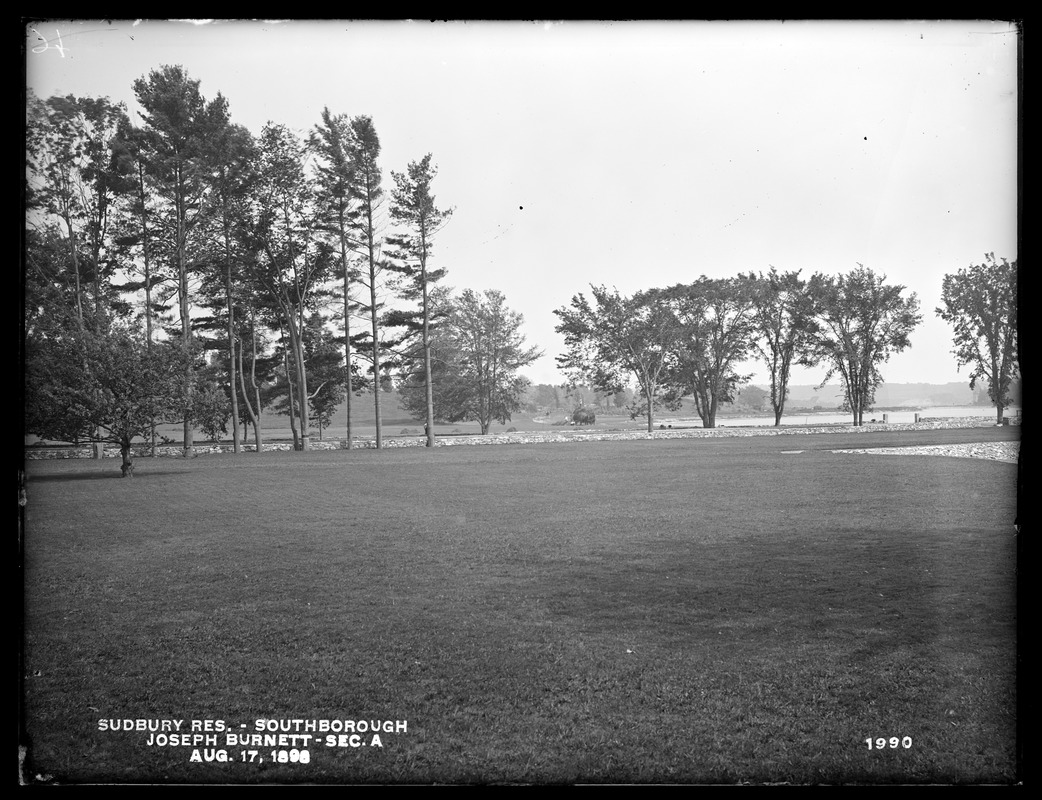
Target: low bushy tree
211	409
103	388
584	415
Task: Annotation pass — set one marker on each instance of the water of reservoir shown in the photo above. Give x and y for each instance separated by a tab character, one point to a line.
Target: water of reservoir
834	418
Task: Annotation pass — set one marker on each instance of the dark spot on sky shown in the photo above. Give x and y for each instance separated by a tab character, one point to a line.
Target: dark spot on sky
521	208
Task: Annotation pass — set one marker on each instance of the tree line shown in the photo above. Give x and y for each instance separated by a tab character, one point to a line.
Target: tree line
690	340
184	269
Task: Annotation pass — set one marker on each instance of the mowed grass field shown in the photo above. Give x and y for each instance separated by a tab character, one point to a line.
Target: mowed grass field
684	611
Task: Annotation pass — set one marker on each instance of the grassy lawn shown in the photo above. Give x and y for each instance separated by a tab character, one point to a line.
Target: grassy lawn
691	611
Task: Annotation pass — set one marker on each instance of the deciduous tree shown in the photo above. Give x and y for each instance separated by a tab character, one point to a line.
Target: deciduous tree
74	180
211	406
783	319
980	303
102	387
480	351
861	322
614	337
714	332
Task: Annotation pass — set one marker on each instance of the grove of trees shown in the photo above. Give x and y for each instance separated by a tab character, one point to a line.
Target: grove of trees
689	340
180	269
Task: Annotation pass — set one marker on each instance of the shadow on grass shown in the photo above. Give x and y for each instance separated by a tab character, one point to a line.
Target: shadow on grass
98	476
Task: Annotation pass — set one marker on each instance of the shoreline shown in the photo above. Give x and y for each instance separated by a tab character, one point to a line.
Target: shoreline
42	452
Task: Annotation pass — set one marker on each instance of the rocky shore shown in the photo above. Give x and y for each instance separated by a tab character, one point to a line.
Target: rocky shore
1000	451
993	451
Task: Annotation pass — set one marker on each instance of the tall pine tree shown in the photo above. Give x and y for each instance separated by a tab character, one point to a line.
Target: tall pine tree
367	196
179	122
414	209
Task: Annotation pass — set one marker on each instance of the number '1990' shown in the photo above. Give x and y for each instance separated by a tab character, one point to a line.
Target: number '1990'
892	743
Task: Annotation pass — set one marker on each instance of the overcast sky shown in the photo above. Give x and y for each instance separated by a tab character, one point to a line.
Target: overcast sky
635	154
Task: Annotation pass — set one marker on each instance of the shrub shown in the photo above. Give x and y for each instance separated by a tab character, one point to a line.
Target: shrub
584	416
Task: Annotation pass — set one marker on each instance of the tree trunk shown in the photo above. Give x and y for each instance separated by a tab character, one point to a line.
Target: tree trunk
254	417
430	390
98	225
297	344
186	322
73	252
702	406
147	263
185	331
127	466
779	388
258	438
188	432
231	341
427	346
347	360
292	403
995	390
347	331
376	366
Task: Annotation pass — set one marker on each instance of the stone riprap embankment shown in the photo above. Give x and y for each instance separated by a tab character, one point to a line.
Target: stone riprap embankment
994	451
579	435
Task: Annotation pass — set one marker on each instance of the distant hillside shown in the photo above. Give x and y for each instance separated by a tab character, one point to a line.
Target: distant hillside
891	395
